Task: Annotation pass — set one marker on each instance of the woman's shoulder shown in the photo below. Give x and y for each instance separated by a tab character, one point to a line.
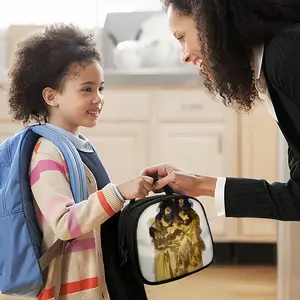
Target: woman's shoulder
284	49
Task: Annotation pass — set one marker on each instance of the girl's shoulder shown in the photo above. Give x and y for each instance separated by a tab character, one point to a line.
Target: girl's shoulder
45	148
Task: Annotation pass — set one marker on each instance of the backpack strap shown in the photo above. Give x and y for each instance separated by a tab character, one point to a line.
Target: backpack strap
72	157
48	256
77	175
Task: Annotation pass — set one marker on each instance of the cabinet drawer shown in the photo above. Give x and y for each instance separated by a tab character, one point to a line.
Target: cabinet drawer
125	105
188	105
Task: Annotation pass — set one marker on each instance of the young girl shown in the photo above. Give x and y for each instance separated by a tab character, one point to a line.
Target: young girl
57	78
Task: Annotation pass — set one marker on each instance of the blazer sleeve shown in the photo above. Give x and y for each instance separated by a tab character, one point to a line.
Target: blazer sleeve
259	198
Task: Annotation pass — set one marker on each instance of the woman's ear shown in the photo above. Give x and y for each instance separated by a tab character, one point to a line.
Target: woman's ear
49	95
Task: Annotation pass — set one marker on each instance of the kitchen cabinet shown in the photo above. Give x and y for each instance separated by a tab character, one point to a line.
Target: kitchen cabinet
184	127
181	125
122	135
259	159
144	126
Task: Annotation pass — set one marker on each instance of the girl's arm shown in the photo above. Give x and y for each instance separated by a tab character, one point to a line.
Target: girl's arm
51	189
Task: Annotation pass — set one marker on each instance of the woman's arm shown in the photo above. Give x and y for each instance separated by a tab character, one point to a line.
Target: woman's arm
243	197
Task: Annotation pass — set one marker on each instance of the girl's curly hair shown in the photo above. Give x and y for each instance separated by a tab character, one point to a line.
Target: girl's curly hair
228	32
43	60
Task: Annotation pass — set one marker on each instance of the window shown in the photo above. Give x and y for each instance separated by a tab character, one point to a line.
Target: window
39	12
86	13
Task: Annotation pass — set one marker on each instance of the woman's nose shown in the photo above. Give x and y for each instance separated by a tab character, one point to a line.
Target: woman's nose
186	57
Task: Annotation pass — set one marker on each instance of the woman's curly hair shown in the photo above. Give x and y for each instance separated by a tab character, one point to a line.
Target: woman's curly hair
228	32
44	60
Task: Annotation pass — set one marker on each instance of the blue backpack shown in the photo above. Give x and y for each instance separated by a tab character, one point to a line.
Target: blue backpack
21	264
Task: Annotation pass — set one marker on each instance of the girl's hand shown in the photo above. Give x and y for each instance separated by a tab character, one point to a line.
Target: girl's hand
138	187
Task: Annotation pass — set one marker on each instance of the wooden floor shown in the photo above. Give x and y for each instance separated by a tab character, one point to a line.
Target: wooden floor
217	283
221	283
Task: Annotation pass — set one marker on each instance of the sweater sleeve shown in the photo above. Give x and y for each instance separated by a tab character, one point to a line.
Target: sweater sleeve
51	190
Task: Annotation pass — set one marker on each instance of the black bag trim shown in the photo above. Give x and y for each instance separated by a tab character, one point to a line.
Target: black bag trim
130	256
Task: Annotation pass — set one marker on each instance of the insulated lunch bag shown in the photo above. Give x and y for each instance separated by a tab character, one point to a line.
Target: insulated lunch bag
165	237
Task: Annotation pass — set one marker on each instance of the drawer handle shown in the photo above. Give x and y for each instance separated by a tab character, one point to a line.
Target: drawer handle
192	106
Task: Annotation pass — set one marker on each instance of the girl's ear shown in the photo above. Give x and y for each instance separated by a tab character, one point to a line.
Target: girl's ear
49	95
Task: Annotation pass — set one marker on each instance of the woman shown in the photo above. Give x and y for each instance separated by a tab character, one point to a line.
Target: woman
245	49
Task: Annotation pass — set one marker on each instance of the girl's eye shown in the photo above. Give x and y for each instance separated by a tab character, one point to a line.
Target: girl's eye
87	90
101	88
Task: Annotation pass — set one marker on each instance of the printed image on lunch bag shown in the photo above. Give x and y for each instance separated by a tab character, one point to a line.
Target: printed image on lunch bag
178	242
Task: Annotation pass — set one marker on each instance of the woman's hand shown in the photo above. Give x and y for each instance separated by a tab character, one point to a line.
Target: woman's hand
181	181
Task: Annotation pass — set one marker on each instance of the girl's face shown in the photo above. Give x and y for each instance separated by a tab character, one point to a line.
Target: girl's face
185	31
81	101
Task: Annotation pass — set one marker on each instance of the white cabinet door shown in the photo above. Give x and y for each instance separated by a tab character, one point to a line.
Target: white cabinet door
122	148
259	160
196	148
122	136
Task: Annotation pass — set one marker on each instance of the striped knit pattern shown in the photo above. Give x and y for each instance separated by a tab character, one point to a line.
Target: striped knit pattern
78	273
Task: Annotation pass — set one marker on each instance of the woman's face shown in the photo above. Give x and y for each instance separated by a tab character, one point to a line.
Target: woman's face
185	31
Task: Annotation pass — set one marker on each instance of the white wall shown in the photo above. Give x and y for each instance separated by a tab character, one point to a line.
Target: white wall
87	13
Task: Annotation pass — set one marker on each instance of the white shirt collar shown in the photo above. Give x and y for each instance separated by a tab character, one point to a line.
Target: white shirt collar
260	82
258	54
80	142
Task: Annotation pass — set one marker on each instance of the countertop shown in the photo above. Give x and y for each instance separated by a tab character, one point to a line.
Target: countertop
157	77
149	77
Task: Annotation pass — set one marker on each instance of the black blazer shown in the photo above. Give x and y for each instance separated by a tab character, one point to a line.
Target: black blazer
259	198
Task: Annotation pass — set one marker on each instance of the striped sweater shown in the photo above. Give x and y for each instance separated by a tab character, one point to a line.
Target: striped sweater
78	273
